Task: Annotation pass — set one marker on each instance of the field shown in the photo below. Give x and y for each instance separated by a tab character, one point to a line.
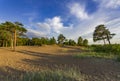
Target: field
27	59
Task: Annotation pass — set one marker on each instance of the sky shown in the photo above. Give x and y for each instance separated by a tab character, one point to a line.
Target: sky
73	18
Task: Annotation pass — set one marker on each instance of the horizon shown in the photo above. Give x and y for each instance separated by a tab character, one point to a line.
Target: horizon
72	18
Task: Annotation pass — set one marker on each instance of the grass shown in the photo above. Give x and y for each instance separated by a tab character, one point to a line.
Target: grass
118	58
94	55
50	75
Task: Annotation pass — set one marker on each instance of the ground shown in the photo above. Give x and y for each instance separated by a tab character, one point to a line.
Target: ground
29	58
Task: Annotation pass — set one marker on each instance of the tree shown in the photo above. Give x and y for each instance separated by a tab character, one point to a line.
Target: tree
72	42
66	42
85	42
52	41
61	39
36	42
18	30
15	30
8	27
101	33
4	37
80	41
109	35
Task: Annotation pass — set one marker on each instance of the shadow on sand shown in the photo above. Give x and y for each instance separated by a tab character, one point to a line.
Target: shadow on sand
9	74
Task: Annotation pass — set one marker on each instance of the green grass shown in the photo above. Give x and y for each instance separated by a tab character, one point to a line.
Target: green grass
94	55
57	75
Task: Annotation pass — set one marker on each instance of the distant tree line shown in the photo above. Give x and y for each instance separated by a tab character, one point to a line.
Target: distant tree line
12	34
61	40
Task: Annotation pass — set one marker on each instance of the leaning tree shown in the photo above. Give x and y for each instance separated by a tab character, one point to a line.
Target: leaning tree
102	33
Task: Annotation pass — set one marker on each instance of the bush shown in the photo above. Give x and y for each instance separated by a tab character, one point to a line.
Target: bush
114	48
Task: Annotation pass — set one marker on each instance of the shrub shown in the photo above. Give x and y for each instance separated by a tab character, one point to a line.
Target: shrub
114	48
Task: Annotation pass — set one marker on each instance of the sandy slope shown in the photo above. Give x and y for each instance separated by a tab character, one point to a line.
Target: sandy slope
37	58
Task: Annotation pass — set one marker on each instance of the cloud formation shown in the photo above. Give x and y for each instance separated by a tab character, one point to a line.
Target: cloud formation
109	3
86	23
49	26
78	10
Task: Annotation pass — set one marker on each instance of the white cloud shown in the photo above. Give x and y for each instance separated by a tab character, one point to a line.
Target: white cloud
78	10
48	27
110	18
35	33
109	3
56	24
44	27
85	23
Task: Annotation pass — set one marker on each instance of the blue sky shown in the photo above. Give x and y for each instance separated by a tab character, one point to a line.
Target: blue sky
73	18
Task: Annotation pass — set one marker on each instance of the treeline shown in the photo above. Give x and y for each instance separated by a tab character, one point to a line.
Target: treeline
13	34
36	41
61	40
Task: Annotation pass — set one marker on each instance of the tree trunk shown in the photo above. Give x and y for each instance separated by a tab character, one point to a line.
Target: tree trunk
104	41
3	43
14	40
108	39
6	43
12	43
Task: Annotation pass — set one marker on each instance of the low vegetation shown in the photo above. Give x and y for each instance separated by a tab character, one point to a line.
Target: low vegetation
50	75
94	55
113	48
101	51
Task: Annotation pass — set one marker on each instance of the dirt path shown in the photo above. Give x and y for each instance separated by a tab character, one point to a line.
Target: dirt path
54	57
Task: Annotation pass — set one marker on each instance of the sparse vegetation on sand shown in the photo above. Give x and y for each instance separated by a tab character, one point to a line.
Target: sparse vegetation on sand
56	75
33	62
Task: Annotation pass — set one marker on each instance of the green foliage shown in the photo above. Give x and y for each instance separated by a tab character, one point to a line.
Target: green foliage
101	33
93	55
101	51
23	41
9	31
61	39
114	48
52	41
13	33
85	42
72	42
36	42
66	42
80	41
